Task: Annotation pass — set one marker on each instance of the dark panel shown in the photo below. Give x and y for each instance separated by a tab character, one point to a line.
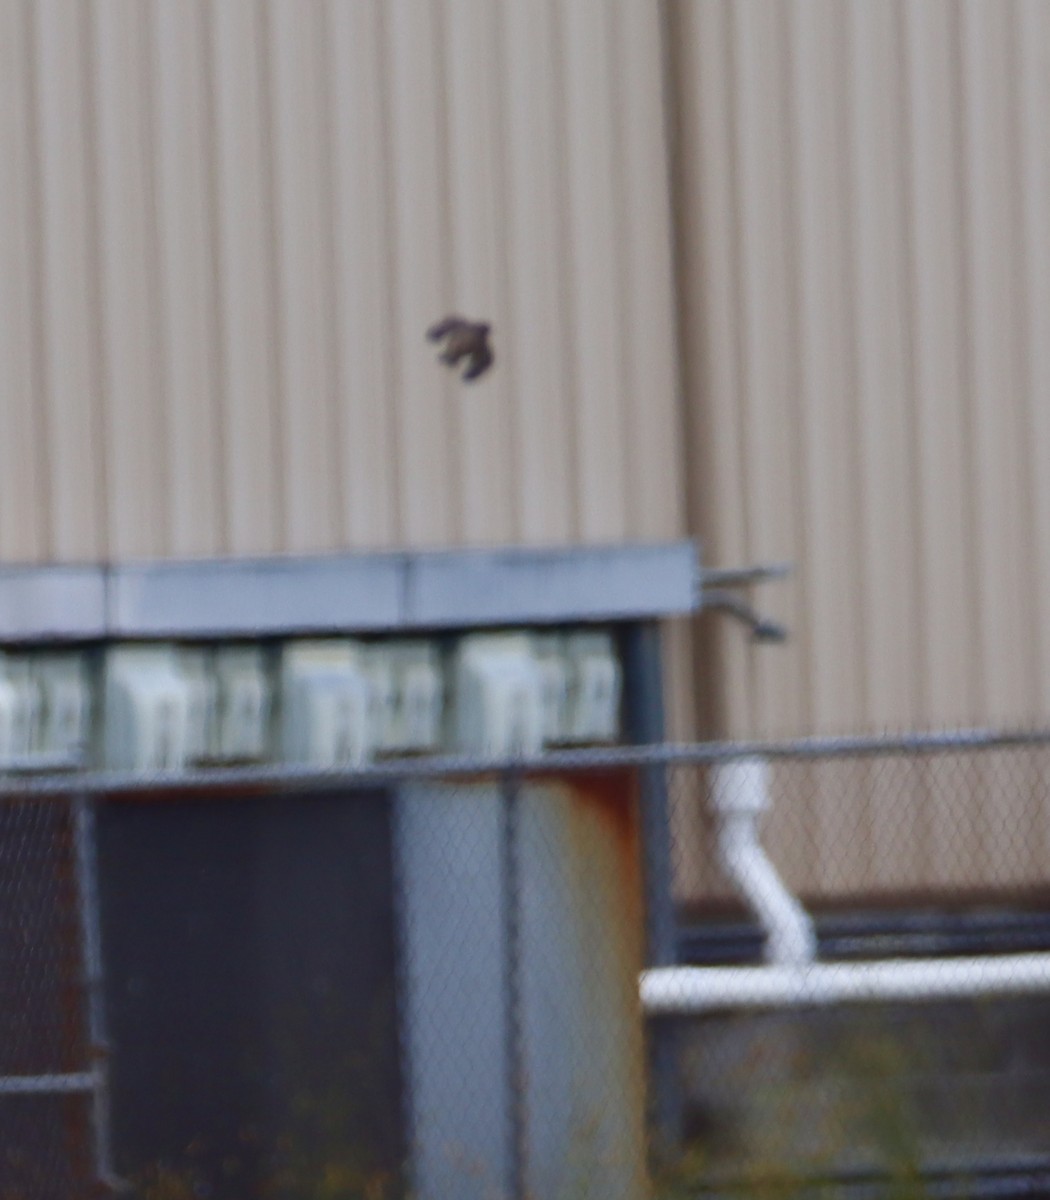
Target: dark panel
250	991
45	1138
42	1005
44	1147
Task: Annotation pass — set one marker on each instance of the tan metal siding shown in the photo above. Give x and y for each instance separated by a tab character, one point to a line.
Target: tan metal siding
885	345
595	310
538	337
70	389
21	430
364	289
139	490
1033	67
860	195
230	224
863	209
304	295
479	268
254	492
935	312
651	371
188	302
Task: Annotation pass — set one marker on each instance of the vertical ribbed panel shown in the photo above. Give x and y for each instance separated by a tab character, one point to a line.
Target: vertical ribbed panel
885	344
187	295
229	226
428	460
651	372
1033	65
22	482
932	155
862	203
481	414
538	339
299	101
996	360
70	390
827	385
595	310
140	486
253	467
364	308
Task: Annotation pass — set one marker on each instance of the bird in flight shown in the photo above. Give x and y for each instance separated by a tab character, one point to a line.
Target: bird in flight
464	340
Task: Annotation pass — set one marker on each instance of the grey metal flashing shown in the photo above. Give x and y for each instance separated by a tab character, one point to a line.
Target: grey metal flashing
237	597
527	587
347	593
52	603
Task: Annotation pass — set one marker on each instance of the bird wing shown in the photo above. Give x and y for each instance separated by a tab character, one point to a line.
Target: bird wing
444	327
480	361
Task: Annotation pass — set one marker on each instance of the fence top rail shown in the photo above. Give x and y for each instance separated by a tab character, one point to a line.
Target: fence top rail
52	777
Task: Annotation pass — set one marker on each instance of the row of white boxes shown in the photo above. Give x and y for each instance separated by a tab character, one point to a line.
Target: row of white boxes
320	702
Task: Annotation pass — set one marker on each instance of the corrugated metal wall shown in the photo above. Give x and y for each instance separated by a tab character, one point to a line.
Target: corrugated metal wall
225	228
863	213
863	197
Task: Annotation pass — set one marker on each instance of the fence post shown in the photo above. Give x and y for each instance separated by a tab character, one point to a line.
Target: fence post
510	848
644	722
91	941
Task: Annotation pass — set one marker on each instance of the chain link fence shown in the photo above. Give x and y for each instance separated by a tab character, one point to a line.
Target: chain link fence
880	1021
808	968
46	1066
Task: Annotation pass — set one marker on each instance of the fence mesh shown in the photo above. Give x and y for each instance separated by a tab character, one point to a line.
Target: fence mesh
701	970
44	1125
931	867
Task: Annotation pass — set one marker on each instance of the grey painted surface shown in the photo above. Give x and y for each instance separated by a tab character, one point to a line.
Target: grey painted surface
581	1040
205	598
580	1032
52	602
452	950
347	593
535	586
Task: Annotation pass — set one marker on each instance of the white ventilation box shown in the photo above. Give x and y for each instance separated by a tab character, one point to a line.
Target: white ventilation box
20	706
244	702
421	698
595	686
203	718
407	695
378	665
64	729
326	718
550	654
153	710
498	695
10	723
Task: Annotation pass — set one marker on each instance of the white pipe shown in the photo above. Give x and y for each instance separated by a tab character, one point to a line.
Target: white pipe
740	793
681	990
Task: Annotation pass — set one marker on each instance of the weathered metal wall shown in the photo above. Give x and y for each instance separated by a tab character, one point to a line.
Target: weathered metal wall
522	933
226	227
863	199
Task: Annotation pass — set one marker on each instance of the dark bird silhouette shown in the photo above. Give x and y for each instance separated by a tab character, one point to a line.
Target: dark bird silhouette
464	340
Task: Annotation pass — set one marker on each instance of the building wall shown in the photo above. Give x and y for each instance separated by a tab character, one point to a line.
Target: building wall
227	226
863	215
